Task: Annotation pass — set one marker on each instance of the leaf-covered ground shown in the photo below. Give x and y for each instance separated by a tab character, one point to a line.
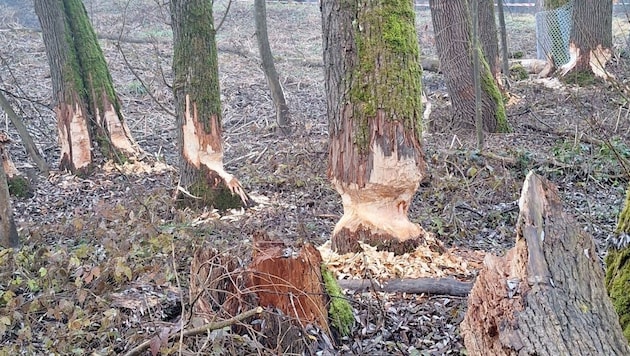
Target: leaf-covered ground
104	263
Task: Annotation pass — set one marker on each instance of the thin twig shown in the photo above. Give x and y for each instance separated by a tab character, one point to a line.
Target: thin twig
199	330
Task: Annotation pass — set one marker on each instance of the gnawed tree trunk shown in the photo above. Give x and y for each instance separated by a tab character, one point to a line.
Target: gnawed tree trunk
590	46
618	267
203	180
286	281
18	185
8	232
546	296
283	118
452	24
86	105
372	79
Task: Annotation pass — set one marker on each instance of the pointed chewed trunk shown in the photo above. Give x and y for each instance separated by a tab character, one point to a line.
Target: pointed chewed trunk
86	105
590	43
203	180
374	97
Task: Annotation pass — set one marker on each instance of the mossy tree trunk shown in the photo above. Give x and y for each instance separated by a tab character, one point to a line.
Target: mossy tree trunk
283	116
618	268
372	79
203	180
86	105
591	37
452	24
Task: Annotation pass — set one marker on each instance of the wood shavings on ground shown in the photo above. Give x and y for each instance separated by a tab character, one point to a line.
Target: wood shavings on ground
426	261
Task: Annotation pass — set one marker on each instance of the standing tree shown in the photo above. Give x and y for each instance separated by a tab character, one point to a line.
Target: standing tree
591	37
452	24
203	180
372	79
86	105
488	37
283	118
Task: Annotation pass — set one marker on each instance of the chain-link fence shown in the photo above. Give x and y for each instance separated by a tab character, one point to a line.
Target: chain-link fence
553	29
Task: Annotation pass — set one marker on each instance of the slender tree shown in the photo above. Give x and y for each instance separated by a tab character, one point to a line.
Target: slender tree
283	116
452	25
373	88
87	108
591	37
203	180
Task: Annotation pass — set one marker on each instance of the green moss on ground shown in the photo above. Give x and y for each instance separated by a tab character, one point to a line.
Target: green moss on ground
339	311
19	187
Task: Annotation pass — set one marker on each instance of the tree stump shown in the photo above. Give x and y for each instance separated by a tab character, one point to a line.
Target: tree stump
8	232
546	296
291	280
286	281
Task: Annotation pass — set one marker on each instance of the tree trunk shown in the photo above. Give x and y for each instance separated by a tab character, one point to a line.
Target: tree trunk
203	180
283	117
591	37
452	24
27	140
372	79
505	65
488	37
546	296
87	108
8	232
618	268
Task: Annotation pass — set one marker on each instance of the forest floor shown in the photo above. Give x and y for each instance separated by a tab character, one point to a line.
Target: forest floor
105	259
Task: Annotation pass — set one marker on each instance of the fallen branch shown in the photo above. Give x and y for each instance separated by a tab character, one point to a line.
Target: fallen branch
444	286
199	330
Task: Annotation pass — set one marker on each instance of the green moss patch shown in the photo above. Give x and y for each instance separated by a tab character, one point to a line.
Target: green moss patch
339	310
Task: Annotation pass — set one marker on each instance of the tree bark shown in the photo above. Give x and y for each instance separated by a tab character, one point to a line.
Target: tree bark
452	24
546	296
618	267
203	180
590	46
8	232
283	117
86	105
373	91
488	37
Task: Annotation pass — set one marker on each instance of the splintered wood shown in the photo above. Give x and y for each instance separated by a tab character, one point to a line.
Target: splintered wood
428	260
546	296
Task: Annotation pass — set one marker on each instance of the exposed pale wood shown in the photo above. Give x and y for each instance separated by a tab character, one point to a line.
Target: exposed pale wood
546	296
441	286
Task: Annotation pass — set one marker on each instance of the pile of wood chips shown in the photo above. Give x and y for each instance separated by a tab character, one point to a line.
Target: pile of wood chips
425	262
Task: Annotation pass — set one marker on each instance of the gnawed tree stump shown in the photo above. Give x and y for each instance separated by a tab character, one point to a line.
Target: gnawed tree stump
546	296
8	231
284	280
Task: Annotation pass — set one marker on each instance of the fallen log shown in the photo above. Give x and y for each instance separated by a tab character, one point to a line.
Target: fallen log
546	296
437	286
